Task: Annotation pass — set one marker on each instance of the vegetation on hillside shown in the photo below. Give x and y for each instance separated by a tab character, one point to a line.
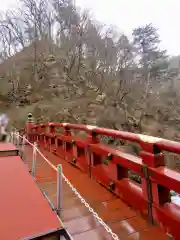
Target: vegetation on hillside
60	64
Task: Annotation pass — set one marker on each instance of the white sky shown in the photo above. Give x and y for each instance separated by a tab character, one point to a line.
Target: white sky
128	14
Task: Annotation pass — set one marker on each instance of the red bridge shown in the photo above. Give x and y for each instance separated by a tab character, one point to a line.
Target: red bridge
97	199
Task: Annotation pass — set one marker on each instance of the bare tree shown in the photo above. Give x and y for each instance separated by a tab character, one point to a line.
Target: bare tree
95	62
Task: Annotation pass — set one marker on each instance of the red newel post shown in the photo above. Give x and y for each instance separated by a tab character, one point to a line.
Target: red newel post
152	157
93	138
29	127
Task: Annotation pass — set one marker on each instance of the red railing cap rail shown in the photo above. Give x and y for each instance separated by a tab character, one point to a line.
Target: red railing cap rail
163	144
168	145
155	172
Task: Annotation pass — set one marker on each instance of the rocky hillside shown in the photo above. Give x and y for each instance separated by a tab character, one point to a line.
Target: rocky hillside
52	95
62	65
55	96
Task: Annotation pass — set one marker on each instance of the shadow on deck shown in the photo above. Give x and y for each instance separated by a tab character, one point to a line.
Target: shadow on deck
80	223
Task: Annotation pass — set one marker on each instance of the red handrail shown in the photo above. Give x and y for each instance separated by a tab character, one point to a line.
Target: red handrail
110	166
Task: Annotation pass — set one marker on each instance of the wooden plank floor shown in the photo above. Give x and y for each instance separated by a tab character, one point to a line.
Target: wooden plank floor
80	223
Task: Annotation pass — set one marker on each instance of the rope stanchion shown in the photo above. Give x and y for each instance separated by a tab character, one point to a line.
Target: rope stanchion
18	138
34	159
59	190
11	140
23	147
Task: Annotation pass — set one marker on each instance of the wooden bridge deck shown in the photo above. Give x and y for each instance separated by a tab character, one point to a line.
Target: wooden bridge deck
80	223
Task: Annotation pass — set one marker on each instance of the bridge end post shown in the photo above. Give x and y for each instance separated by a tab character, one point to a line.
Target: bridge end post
154	194
29	126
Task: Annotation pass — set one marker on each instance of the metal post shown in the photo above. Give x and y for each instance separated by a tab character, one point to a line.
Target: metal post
18	139
15	138
23	143
34	160
59	189
23	146
12	137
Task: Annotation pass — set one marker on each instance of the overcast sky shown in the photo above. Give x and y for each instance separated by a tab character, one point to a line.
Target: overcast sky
128	14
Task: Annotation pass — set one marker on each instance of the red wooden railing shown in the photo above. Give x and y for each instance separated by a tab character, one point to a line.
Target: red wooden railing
109	166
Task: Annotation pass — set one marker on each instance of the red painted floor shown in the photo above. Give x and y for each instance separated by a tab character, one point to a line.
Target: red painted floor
24	211
7	146
81	224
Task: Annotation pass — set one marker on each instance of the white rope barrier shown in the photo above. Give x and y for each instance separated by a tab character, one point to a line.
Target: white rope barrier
61	176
